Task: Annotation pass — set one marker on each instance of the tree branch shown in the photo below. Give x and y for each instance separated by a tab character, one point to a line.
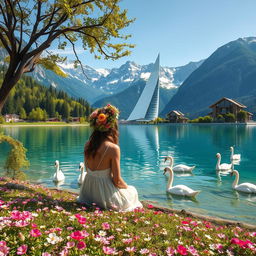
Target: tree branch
21	27
77	58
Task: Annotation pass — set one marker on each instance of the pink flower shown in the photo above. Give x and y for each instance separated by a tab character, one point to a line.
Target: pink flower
109	251
35	232
150	206
4	250
105	226
70	244
170	251
130	249
144	251
127	240
81	245
78	235
46	254
192	250
22	249
182	250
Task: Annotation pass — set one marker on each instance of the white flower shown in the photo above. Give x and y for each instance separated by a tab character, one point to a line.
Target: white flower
34	214
147	222
102	233
208	237
53	238
147	238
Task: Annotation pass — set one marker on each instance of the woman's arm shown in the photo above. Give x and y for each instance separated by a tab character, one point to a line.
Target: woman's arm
115	167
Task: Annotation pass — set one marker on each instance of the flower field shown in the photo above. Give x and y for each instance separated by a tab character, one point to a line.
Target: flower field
35	220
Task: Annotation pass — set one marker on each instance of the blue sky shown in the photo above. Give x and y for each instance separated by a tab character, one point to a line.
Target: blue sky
181	30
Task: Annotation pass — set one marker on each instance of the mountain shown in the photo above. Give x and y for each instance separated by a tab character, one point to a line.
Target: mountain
100	83
229	72
126	100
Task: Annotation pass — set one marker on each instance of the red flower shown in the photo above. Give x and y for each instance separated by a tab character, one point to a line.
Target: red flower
79	235
182	250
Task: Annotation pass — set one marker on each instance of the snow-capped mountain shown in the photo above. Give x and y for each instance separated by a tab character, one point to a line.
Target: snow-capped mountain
121	78
99	83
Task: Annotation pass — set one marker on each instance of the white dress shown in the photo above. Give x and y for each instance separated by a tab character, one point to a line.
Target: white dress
98	188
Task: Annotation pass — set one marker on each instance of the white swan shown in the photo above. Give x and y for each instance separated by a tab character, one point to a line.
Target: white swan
243	187
178	189
82	174
236	157
179	167
222	167
58	175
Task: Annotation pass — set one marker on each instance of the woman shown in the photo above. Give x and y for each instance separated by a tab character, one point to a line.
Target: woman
103	184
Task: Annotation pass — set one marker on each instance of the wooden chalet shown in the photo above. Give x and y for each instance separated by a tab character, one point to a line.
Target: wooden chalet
12	118
176	116
226	105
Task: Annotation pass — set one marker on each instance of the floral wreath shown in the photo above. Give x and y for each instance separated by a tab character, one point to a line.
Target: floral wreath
103	119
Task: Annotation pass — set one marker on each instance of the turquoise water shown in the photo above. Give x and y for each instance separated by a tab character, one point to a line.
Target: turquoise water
142	161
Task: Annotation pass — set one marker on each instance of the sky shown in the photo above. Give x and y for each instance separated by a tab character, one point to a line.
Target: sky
180	30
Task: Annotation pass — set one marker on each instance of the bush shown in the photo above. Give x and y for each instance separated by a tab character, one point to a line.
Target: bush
220	119
229	118
2	121
242	116
202	119
38	115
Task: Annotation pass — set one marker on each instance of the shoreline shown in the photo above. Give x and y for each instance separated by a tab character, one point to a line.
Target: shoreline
155	206
43	125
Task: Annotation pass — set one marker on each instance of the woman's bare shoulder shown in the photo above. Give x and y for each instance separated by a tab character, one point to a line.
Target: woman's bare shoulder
112	147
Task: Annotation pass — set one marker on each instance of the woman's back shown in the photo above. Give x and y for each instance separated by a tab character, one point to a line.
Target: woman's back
102	158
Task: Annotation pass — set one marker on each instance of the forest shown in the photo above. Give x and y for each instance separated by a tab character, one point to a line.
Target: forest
32	101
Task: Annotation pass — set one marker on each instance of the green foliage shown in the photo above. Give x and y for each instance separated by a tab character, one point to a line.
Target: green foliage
2	120
242	116
16	158
29	95
220	119
204	119
82	120
37	115
229	118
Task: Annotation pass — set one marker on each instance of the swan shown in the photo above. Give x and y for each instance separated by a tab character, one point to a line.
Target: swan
222	167
243	187
178	189
179	167
236	157
58	175
81	177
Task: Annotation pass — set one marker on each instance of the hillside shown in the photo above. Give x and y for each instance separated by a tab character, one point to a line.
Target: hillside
229	72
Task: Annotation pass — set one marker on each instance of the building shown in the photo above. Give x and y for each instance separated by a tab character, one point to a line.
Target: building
12	118
226	105
147	106
176	116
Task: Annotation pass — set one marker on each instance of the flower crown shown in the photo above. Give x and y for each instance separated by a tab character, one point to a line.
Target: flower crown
103	119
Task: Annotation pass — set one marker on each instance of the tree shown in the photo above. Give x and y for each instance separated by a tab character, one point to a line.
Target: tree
37	115
229	118
242	116
16	158
29	27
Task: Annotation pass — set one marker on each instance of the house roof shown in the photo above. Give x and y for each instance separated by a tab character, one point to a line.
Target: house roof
176	112
230	100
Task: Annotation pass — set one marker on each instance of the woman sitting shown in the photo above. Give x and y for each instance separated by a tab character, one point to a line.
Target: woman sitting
103	184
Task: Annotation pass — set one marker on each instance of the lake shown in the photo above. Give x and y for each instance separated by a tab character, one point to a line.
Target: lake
143	148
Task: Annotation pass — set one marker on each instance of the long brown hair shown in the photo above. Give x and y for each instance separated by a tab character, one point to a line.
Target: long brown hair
97	138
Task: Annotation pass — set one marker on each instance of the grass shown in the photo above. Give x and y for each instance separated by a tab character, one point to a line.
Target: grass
35	220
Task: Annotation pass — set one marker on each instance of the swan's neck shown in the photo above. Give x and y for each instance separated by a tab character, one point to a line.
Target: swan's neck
236	179
170	180
82	170
171	161
232	152
218	163
57	168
